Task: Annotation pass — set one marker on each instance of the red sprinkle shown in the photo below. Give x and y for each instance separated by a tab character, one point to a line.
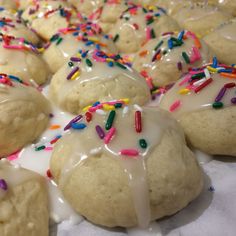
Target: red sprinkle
230	85
203	85
49	174
138	121
88	116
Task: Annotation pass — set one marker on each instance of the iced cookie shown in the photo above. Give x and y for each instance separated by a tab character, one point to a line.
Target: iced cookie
203	102
47	17
226	5
89	8
96	76
201	19
137	25
24	114
22	59
11	25
134	160
162	61
223	42
82	37
9	4
23	202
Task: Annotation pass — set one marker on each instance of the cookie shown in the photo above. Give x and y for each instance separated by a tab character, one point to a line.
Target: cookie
12	25
137	25
96	76
23	202
64	44
201	19
133	160
162	61
24	114
222	41
22	59
47	17
203	101
9	4
226	5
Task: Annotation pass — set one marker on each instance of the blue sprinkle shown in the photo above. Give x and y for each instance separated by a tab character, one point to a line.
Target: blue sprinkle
78	126
89	43
75	33
225	70
110	64
98	47
170	44
95	104
180	36
2	8
106	36
215	62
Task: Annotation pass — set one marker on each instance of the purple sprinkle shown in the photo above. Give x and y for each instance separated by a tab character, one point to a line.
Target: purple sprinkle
233	100
75	59
220	95
72	73
3	184
100	131
51	115
77	118
179	65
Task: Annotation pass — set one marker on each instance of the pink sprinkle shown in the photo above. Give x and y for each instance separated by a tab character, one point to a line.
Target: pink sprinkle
197	53
149	82
48	148
129	152
192	35
185	80
93	109
148	33
109	135
175	105
13	156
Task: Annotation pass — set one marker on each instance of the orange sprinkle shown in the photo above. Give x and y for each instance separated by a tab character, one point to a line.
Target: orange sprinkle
143	53
185	37
228	75
197	43
158	56
102	44
52	127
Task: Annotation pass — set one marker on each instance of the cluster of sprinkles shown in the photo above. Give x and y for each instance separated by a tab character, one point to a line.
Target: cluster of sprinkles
107	132
199	79
10	42
152	13
87	33
173	42
111	60
9	80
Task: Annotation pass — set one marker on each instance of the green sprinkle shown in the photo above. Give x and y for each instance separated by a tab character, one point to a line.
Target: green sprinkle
118	105
117	57
158	45
186	57
145	10
150	21
116	38
70	64
110	119
54	38
143	143
40	148
164	52
59	41
198	76
120	65
217	105
88	62
153	35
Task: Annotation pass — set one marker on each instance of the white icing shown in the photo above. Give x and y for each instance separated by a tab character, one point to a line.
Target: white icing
228	31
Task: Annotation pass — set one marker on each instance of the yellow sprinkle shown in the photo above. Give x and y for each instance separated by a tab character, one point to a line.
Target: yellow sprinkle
75	75
107	107
211	69
41	49
86	108
125	100
184	91
93	39
109	59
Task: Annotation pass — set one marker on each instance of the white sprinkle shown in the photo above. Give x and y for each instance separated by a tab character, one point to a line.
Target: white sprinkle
137	107
125	110
95	151
207	73
34	83
101	112
199	82
17	166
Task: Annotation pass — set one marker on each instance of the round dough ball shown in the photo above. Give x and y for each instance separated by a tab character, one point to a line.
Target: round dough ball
223	42
24	114
47	17
110	13
9	4
206	109
162	59
19	58
132	185
13	26
226	5
87	7
95	79
23	202
135	27
64	44
201	18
